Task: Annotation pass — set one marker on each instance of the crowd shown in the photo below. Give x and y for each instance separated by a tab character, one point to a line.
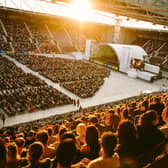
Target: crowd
128	133
81	78
12	77
84	88
20	92
32	99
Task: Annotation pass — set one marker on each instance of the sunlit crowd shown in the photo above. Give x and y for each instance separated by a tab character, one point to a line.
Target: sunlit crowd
130	134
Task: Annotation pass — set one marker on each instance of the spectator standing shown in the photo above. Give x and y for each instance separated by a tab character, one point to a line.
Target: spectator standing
114	120
3	118
78	102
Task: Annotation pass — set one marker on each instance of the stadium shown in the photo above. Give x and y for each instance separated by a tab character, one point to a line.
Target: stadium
83	83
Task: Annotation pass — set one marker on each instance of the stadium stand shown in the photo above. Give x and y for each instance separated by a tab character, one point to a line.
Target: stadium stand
156	50
19	36
36	34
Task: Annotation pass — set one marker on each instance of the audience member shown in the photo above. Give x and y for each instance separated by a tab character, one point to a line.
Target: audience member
100	127
81	132
49	151
35	153
65	153
30	138
13	159
151	139
158	107
52	138
109	158
127	148
20	142
164	128
92	147
114	120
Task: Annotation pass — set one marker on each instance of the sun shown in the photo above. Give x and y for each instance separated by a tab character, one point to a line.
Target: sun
83	4
81	9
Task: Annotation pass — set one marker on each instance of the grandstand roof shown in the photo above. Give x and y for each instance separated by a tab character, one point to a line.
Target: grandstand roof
155	11
147	10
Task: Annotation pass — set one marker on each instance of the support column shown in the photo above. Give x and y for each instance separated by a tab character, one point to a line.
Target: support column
53	39
32	38
87	49
116	35
3	28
